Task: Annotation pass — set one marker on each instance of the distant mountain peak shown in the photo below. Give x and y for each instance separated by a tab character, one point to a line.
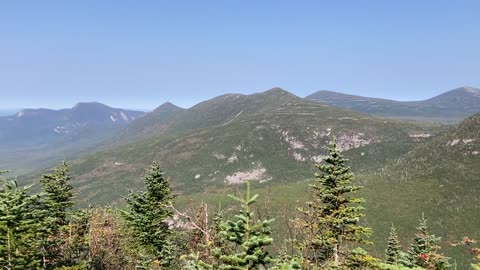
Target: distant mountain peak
277	90
329	91
93	104
168	106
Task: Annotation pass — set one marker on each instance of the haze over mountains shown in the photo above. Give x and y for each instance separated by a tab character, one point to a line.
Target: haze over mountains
453	105
32	125
34	138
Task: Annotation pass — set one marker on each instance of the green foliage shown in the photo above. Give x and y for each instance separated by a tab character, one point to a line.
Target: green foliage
360	259
243	241
473	249
147	217
58	195
22	225
424	251
57	200
392	253
289	264
76	235
384	266
251	237
333	218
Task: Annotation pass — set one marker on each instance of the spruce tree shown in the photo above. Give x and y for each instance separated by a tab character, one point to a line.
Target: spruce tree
392	253
22	226
147	217
337	212
424	250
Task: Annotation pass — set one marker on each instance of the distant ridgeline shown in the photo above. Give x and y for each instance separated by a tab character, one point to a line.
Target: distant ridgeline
37	138
450	106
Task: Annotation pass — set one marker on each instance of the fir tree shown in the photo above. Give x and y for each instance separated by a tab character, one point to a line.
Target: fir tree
392	253
251	237
57	201
147	214
242	242
424	251
337	212
22	226
58	194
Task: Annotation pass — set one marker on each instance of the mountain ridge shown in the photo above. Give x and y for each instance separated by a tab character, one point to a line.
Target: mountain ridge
35	136
220	141
453	105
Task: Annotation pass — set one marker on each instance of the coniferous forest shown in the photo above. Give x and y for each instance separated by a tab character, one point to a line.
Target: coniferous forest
43	229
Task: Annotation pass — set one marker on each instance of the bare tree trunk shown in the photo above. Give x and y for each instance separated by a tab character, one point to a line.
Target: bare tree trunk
336	257
9	250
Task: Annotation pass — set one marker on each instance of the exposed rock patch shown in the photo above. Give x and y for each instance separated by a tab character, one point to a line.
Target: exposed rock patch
242	177
298	157
232	158
219	156
294	143
346	142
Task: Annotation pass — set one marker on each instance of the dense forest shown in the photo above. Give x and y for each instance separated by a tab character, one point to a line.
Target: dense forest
44	230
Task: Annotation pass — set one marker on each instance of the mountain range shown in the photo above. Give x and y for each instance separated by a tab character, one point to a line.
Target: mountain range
44	124
275	139
270	137
451	106
34	138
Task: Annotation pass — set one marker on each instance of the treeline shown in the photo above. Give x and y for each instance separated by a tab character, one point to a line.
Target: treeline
41	231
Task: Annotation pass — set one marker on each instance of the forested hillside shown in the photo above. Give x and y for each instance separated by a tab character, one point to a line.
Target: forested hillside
271	137
328	231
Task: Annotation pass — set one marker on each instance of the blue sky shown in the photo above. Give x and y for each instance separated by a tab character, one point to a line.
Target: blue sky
139	54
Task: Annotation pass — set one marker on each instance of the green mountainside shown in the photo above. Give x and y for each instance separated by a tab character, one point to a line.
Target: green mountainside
453	105
439	178
271	137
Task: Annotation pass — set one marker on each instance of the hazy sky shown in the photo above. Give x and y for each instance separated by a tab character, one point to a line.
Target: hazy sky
139	54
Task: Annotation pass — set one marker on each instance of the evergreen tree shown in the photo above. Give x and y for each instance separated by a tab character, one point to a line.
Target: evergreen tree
392	253
22	226
360	259
146	216
337	212
424	251
58	194
251	237
242	243
57	200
